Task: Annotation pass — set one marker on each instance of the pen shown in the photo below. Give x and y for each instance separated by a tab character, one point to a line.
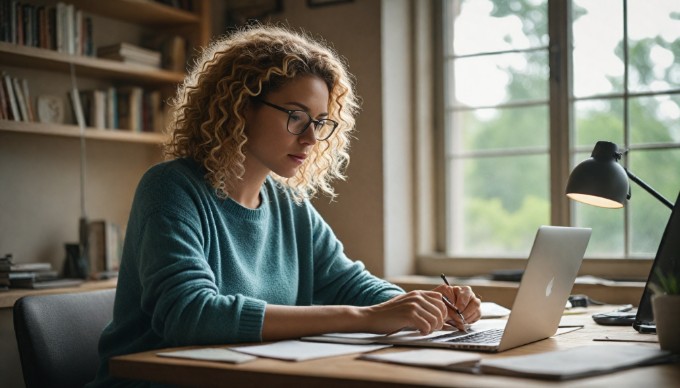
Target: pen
452	306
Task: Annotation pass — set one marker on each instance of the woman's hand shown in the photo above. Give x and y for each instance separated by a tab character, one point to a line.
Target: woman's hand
420	310
467	303
424	311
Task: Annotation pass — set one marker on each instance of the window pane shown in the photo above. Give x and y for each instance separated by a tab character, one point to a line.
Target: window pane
608	225
597	58
495	79
501	202
499	25
596	120
659	169
484	129
654	44
655	119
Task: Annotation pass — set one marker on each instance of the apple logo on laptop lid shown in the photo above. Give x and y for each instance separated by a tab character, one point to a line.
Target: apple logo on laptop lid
548	289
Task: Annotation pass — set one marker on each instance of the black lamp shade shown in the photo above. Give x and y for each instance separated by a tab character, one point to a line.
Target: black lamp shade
600	180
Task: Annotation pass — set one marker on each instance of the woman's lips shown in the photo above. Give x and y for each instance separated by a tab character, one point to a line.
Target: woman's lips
298	158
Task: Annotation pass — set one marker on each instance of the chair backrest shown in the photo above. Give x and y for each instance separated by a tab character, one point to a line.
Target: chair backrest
58	336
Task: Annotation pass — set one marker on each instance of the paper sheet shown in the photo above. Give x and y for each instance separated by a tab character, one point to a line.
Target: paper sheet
426	357
493	310
300	351
210	354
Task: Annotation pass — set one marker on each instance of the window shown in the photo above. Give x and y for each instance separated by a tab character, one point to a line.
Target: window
510	140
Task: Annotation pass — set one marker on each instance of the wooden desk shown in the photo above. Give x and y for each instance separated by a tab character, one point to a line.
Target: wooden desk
346	371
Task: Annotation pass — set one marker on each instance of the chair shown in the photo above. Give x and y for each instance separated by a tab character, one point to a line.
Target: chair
58	336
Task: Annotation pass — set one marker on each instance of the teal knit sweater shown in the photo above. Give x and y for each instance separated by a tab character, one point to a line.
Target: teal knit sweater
198	269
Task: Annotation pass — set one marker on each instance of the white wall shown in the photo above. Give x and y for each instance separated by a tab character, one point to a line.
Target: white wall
373	214
398	116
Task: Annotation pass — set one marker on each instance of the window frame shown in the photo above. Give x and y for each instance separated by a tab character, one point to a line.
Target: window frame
431	234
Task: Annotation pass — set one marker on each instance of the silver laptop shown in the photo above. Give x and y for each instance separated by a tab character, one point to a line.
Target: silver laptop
543	292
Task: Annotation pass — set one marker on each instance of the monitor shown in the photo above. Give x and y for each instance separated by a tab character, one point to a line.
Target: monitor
667	261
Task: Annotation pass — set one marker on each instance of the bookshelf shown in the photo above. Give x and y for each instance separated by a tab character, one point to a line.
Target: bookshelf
64	130
40	161
42	59
194	25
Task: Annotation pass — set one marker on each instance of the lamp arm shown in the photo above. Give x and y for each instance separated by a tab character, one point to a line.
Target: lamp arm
647	188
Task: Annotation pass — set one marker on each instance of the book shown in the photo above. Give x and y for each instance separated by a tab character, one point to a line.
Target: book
111	108
60	27
129	104
53	283
77	32
21	101
9	266
129	53
153	113
69	29
22	275
78	113
4	113
103	247
5	22
94	108
173	50
27	98
43	31
11	97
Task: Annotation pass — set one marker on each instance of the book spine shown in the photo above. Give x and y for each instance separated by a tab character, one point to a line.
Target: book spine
77	108
27	98
89	44
19	20
11	97
13	21
111	108
78	32
52	28
60	27
26	24
4	114
70	29
99	109
5	23
21	102
42	27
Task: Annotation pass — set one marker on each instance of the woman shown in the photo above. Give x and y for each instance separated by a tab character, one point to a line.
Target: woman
222	244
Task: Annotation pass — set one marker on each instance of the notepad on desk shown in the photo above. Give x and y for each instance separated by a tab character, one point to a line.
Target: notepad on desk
294	350
557	365
210	354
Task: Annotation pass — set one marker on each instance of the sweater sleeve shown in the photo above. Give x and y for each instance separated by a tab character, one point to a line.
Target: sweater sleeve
179	291
339	280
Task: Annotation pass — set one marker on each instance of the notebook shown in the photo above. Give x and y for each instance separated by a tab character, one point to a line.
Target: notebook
551	269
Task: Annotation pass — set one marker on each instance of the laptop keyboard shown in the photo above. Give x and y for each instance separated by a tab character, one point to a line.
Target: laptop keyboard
492	336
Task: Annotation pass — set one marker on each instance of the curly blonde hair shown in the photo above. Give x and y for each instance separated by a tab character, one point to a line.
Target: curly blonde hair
232	72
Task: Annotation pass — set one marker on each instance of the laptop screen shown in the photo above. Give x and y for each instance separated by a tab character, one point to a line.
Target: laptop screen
667	261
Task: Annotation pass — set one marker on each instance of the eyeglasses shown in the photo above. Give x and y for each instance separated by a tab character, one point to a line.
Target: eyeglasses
299	121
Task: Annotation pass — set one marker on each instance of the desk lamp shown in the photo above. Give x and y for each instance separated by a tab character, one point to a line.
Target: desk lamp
601	181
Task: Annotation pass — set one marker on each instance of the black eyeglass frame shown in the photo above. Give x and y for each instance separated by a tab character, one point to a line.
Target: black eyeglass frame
317	123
